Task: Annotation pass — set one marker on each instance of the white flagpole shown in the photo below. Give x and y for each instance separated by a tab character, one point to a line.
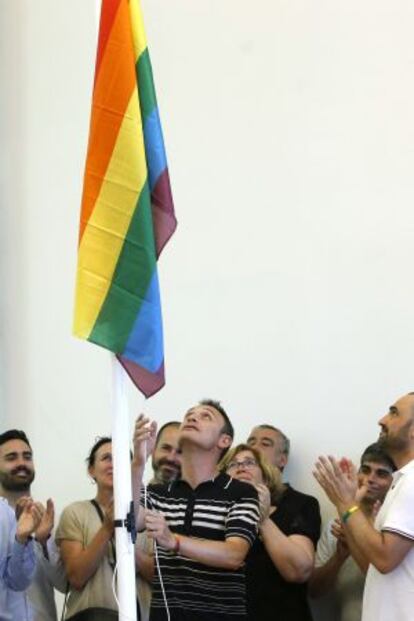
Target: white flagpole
125	555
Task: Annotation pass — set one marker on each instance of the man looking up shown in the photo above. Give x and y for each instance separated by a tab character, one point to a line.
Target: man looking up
204	523
336	570
166	463
388	547
17	473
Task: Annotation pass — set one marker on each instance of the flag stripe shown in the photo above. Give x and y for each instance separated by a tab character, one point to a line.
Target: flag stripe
130	281
114	88
145	343
105	27
148	98
137	27
108	225
156	157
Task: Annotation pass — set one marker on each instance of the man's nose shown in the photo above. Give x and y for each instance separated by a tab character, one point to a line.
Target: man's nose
382	421
174	455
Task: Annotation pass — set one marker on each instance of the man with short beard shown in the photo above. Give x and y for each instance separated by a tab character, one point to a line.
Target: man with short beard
165	458
166	468
16	476
17	557
388	547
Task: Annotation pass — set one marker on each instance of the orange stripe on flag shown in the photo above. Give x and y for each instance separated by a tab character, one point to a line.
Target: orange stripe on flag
113	89
107	20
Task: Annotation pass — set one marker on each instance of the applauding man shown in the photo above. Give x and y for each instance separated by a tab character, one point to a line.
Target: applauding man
17	557
387	547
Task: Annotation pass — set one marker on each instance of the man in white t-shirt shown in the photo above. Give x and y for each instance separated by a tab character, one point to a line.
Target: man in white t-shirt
388	547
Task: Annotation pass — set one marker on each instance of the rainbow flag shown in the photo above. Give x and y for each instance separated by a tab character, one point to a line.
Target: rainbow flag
127	213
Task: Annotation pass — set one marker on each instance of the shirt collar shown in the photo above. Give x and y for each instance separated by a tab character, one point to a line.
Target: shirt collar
222	479
404	470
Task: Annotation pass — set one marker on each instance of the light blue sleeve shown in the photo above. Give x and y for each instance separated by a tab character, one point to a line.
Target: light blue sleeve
19	561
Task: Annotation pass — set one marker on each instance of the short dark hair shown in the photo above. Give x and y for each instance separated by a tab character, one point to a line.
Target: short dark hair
227	427
14	434
90	460
171	423
285	439
375	453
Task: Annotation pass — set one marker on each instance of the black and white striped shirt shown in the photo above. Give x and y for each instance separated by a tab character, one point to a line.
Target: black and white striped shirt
215	510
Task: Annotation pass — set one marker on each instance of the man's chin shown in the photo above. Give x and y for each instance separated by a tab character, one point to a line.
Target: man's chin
19	486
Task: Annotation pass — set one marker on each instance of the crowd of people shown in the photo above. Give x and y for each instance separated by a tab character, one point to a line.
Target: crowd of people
222	536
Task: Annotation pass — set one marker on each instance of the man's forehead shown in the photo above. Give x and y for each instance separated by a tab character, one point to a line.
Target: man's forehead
15	446
376	465
203	408
169	433
403	404
265	433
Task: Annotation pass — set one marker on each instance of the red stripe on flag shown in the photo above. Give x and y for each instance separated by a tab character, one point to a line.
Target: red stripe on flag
108	12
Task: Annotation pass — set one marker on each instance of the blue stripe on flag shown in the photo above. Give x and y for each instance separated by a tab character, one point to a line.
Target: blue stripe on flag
154	147
145	342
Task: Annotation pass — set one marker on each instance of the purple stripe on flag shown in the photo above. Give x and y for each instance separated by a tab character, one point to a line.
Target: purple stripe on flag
163	215
148	383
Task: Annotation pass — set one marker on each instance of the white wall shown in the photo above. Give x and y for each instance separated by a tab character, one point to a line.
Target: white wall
286	289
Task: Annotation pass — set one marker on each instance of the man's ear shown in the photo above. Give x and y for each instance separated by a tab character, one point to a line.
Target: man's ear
283	460
225	441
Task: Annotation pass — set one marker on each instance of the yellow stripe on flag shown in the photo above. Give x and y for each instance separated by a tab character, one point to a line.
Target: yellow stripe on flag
105	232
138	32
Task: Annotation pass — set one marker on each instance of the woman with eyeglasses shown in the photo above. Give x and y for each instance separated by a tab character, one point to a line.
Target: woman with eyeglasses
282	557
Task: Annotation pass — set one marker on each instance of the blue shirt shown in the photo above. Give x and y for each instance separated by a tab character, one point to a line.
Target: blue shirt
17	567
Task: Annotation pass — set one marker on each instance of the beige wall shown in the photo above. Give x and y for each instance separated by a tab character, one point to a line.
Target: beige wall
288	287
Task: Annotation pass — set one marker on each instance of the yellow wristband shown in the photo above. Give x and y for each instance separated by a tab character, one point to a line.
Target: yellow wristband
345	516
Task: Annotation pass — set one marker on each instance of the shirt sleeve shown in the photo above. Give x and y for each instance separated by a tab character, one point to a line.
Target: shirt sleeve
52	564
326	546
399	518
243	517
70	526
307	521
20	566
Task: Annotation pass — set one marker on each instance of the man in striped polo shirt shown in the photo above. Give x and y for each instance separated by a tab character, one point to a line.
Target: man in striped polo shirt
204	523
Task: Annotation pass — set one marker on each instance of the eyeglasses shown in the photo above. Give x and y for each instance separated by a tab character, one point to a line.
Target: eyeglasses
247	463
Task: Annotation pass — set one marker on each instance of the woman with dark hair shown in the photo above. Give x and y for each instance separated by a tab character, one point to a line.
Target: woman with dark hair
281	560
86	538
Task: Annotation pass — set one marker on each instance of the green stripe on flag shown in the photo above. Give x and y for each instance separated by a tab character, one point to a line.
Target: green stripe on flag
146	90
130	282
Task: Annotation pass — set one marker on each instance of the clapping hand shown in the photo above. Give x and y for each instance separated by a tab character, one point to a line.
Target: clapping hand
339	480
43	531
337	530
29	519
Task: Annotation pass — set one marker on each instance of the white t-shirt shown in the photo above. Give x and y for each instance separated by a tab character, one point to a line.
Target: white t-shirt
390	597
349	584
